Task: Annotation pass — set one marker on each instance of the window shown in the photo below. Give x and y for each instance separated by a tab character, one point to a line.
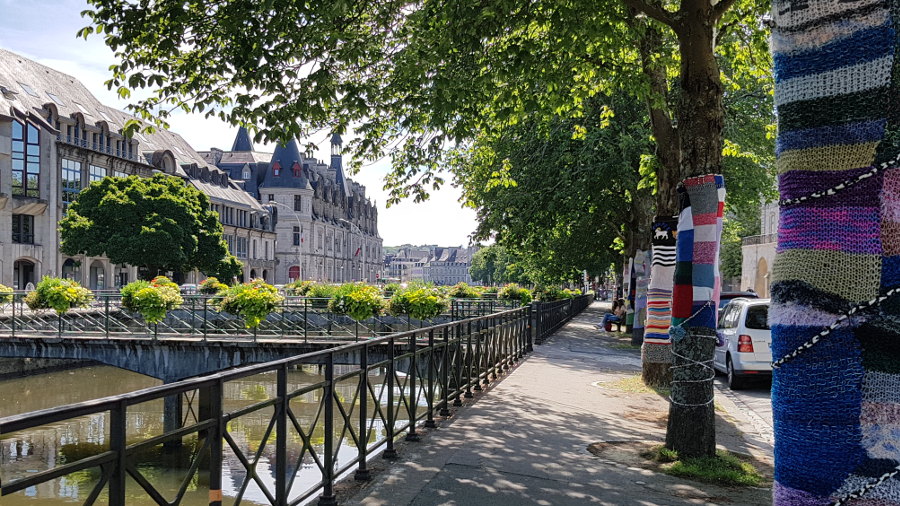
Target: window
266	249
758	317
29	90
26	160
246	174
106	116
241	249
55	98
71	180
119	174
296	236
96	173
298	202
23	228
83	109
276	169
271	198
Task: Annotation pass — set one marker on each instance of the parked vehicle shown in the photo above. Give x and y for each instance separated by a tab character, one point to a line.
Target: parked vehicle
743	350
727	297
189	289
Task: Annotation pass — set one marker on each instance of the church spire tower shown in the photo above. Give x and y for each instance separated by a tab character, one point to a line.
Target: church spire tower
336	151
242	141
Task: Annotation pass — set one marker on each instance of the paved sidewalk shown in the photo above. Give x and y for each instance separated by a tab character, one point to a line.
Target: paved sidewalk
525	440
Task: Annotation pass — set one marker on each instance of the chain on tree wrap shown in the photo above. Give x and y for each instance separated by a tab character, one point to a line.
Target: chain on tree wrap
835	318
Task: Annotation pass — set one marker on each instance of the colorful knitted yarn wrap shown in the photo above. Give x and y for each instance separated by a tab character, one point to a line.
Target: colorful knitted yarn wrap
629	298
656	348
835	319
626	282
642	276
695	295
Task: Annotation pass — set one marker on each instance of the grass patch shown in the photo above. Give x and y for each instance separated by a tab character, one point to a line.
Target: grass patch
635	385
723	469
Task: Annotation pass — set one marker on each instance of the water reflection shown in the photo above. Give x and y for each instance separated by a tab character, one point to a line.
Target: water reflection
252	436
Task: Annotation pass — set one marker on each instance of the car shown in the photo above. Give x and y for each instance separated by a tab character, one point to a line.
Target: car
744	344
727	297
188	289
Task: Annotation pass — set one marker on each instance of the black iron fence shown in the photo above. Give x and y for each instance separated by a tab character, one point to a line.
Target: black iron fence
550	316
198	316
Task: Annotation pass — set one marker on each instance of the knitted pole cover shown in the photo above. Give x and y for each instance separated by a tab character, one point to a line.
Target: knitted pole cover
695	294
641	272
835	319
656	348
629	297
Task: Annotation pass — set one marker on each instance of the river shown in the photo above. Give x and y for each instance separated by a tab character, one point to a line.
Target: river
37	450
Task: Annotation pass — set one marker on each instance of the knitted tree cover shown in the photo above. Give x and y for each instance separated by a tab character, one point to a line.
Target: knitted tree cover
642	274
629	297
835	319
695	294
656	348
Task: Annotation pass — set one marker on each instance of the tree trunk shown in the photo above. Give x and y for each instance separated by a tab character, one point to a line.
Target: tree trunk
836	379
691	427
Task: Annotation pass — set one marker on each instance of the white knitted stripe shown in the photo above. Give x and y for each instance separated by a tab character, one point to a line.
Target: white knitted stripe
860	77
785	17
815	38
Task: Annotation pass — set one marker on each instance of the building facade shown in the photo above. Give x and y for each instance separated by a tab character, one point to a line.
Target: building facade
439	265
326	227
55	139
758	252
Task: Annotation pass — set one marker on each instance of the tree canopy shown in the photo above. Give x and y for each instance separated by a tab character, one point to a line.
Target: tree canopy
159	223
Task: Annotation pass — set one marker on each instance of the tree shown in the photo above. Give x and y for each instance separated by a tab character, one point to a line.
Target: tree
413	78
159	223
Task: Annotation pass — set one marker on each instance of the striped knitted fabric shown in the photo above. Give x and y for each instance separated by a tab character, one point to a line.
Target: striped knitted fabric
659	293
695	294
835	325
642	274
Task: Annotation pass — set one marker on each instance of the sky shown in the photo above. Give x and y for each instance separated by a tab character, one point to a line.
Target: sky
44	31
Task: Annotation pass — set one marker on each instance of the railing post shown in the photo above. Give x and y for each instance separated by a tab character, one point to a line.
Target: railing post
205	319
429	417
445	373
211	409
362	471
389	451
305	320
106	316
193	314
458	368
412	435
117	445
281	424
477	358
328	497
469	394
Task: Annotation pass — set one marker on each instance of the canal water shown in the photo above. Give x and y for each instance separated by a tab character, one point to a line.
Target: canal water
26	453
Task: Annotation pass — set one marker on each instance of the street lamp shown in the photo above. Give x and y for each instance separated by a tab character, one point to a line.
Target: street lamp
300	229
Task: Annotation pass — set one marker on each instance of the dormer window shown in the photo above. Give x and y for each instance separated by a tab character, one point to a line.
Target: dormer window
276	169
246	174
298	171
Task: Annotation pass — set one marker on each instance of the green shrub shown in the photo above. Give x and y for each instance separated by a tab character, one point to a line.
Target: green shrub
463	291
152	299
211	286
6	294
391	288
490	290
58	294
321	291
299	288
357	300
252	301
513	291
419	303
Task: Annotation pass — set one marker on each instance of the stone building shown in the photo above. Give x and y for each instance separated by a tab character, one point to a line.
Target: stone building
55	139
327	228
758	252
439	265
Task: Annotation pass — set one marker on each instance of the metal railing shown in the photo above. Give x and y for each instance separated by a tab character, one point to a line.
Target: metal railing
550	316
759	239
295	318
398	381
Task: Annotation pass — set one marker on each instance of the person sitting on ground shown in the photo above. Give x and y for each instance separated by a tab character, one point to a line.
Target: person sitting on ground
617	315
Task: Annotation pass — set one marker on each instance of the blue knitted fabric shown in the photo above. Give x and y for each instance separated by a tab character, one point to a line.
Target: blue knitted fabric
835	322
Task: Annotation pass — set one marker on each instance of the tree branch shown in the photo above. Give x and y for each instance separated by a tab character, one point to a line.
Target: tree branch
720	8
656	11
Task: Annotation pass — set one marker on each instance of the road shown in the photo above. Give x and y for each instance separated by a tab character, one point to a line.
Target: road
755	402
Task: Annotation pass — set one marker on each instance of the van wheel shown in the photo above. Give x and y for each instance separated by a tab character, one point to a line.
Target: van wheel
735	382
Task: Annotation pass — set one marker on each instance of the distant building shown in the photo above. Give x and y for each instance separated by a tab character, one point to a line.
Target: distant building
55	139
438	265
758	252
327	229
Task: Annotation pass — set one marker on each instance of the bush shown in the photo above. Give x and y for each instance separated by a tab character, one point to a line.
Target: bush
321	291
6	294
299	288
513	291
211	286
490	290
152	299
58	294
252	301
357	300
463	291
419	303
391	288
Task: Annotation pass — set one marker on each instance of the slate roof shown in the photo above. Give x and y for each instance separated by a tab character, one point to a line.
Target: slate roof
242	141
